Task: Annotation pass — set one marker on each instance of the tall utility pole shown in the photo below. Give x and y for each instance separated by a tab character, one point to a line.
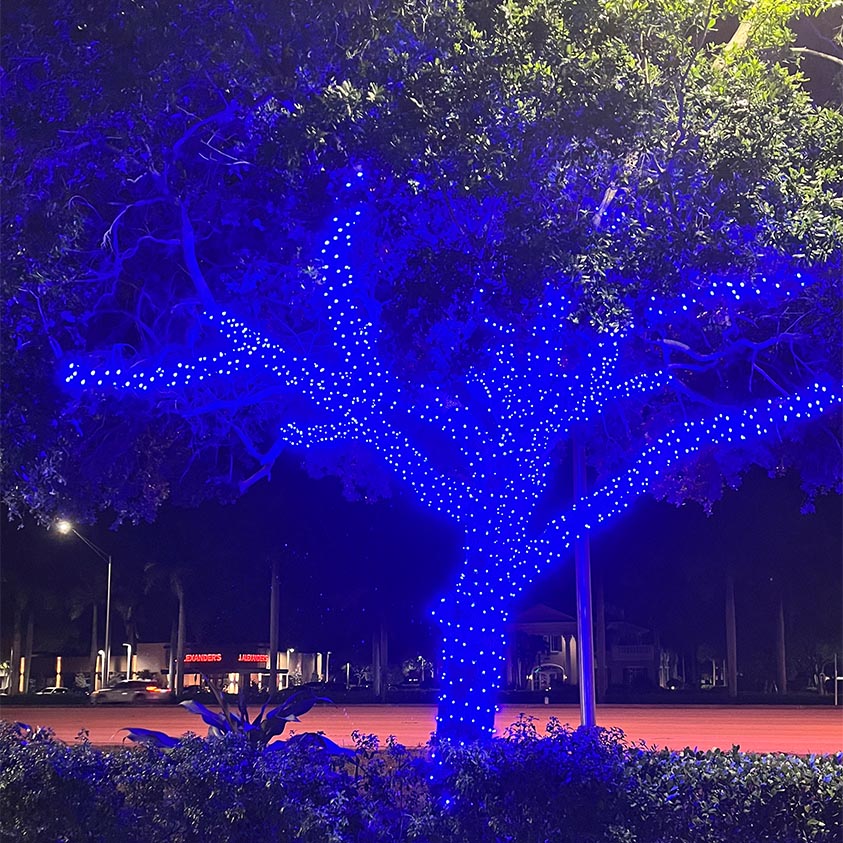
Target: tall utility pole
106	659
585	620
273	627
380	655
781	658
65	527
181	635
731	636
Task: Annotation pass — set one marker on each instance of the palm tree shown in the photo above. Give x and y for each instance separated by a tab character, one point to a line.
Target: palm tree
83	598
126	607
154	573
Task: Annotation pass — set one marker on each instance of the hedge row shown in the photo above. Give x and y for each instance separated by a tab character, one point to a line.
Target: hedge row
574	786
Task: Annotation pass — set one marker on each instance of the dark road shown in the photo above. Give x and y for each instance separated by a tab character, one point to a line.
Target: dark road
753	728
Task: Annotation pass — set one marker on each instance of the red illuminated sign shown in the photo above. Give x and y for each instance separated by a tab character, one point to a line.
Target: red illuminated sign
252	657
203	657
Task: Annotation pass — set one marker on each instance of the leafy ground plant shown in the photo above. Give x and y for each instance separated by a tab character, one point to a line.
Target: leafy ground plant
258	733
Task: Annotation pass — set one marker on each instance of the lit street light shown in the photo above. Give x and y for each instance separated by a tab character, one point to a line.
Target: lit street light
65	527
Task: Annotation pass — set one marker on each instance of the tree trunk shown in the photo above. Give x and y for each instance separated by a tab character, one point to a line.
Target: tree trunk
30	631
376	664
731	636
180	642
127	612
384	659
379	661
273	628
472	661
93	652
17	649
781	654
171	665
132	633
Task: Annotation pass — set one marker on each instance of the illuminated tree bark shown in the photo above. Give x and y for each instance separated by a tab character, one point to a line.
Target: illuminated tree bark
472	623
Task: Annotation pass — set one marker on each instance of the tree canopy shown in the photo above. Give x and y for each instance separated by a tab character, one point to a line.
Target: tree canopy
616	221
615	151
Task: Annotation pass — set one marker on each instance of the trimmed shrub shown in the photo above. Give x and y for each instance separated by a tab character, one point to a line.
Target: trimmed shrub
587	786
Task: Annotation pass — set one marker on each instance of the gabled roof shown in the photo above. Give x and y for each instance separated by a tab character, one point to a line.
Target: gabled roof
542	613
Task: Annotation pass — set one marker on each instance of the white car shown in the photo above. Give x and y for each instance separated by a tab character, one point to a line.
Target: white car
60	691
131	691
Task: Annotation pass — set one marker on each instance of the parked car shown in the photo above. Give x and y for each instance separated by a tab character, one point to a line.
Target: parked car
60	691
131	691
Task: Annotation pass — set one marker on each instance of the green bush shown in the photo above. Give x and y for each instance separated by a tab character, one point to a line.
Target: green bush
568	785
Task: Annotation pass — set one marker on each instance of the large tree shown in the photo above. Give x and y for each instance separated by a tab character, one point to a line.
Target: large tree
445	239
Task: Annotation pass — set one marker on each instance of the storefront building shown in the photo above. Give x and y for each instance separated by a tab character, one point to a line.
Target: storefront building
249	668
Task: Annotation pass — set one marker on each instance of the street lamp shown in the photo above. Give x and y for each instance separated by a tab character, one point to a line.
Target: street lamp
65	527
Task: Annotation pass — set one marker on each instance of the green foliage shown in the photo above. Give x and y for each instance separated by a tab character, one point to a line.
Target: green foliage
258	732
566	787
159	156
719	796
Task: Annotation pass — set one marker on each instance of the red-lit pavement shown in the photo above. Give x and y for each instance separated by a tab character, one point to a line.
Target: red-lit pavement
753	728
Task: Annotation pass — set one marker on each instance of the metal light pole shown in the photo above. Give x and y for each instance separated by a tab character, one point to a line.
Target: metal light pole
65	527
585	621
128	660
290	651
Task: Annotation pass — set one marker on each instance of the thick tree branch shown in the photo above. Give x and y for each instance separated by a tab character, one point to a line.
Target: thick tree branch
267	461
819	54
676	446
242	401
188	241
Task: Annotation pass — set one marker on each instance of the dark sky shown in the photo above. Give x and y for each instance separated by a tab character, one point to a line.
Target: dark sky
345	566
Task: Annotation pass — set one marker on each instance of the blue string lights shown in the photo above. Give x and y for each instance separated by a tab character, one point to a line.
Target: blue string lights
504	421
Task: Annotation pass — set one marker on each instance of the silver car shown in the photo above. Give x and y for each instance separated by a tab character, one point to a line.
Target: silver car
131	691
61	691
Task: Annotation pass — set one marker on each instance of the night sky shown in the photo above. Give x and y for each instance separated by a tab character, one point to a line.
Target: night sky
346	567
